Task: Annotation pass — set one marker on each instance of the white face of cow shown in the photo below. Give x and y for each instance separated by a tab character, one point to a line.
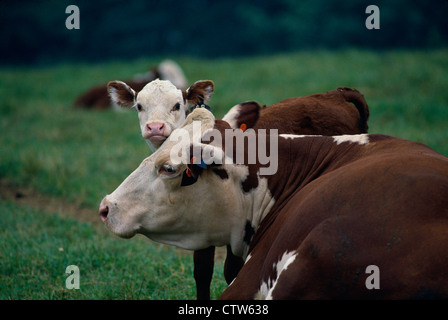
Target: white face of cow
161	109
151	201
160	105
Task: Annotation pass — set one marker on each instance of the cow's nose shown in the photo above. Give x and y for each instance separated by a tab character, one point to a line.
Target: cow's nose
155	128
104	211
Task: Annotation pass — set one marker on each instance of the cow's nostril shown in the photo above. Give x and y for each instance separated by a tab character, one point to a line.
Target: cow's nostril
156	128
104	211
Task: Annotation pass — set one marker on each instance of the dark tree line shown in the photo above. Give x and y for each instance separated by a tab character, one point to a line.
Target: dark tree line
34	31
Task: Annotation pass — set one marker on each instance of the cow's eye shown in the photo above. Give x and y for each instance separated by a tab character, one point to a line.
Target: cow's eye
167	169
139	107
176	107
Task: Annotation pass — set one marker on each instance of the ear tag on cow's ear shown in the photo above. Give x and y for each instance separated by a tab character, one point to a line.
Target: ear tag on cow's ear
243	127
202	164
188	178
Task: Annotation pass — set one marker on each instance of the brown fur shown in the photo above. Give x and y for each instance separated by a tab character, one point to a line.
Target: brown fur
344	207
199	92
331	113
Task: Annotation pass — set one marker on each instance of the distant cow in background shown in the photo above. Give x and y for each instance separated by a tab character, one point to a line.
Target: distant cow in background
162	108
98	97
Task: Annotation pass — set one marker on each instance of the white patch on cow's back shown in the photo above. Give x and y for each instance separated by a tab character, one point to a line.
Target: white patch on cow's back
293	136
353	138
266	289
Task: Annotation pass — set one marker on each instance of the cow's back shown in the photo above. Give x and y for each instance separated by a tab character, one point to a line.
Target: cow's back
388	208
340	111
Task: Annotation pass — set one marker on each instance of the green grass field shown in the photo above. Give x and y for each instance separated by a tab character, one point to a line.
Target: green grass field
81	155
36	248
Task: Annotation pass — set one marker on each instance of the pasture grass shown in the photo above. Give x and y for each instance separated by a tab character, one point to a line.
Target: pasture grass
37	247
81	155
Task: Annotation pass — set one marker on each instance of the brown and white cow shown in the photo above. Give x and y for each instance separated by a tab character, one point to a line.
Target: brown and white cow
97	97
336	112
335	207
340	111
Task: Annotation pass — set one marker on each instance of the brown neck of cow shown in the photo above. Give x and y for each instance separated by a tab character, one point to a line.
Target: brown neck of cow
301	160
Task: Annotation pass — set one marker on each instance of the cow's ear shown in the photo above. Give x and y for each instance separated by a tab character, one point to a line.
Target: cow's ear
243	115
121	94
194	169
188	178
199	92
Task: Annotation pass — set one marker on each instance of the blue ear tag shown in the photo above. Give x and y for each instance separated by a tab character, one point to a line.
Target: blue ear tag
202	164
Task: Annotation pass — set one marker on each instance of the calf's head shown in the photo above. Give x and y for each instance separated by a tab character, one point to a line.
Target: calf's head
161	106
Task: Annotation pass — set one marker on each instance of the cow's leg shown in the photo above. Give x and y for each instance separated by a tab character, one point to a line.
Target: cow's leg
204	261
232	265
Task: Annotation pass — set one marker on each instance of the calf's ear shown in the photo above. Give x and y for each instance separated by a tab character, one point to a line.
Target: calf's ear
243	115
121	94
199	92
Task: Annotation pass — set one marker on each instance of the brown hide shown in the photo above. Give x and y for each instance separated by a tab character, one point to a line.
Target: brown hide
340	111
342	208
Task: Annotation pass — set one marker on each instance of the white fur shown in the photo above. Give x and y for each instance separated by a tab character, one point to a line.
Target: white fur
352	138
114	95
267	288
157	99
155	105
231	117
293	136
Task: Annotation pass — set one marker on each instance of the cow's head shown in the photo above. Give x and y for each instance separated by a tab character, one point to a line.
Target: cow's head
161	106
158	200
244	115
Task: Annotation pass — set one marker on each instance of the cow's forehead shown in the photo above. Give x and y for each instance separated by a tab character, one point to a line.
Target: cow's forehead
159	92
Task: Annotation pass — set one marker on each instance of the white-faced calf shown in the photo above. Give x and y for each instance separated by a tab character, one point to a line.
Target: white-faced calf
161	106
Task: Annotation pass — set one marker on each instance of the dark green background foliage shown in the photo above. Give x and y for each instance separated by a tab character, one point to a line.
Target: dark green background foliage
35	32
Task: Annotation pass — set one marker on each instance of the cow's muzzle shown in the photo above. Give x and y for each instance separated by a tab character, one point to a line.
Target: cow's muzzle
104	211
